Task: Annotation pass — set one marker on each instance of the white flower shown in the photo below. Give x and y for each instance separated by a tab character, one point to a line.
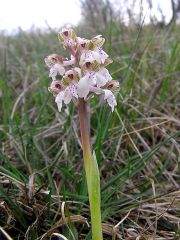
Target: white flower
93	79
73	74
55	87
55	70
82	43
89	56
66	95
68	89
56	64
111	100
91	50
87	85
68	37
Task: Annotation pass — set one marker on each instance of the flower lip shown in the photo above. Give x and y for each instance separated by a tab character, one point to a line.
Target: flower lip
111	100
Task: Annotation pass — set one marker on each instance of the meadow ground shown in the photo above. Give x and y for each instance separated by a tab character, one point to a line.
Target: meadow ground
42	181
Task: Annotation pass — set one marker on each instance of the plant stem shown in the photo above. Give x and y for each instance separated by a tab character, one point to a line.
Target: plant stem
85	136
92	172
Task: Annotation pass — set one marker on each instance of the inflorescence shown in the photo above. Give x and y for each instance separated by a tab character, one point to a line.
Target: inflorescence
84	74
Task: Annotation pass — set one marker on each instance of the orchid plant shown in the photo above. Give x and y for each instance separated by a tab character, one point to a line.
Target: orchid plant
78	79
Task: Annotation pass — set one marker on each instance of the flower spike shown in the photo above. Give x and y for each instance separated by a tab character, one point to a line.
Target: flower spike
85	74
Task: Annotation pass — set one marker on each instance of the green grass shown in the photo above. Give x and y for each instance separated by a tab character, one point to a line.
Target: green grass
137	147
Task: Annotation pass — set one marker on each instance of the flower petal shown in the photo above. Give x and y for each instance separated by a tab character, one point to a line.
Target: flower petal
96	56
100	80
105	73
84	85
53	73
60	69
67	96
78	70
111	100
103	55
59	99
102	77
56	69
96	90
73	90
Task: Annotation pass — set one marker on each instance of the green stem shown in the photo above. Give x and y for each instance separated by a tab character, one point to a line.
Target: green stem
92	173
